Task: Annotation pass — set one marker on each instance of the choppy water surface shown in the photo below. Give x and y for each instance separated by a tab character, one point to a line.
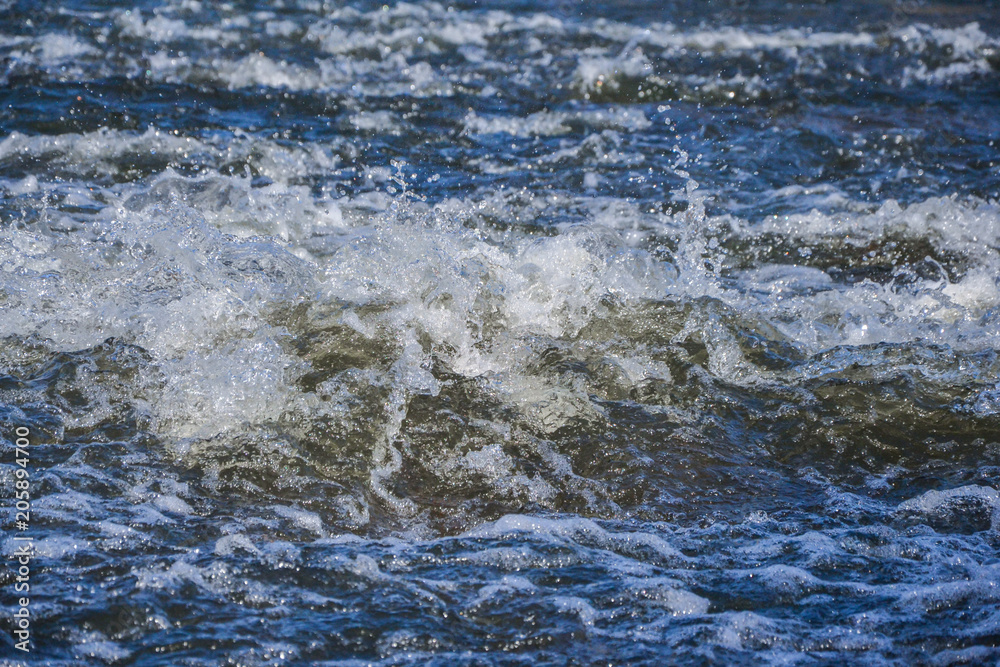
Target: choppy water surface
508	333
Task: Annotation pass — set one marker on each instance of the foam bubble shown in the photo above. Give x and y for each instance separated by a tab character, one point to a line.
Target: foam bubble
955	505
302	518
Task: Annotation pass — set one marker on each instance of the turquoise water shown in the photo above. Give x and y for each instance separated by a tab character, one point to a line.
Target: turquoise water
499	334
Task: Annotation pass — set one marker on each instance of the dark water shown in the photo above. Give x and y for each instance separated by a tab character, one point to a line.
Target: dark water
498	334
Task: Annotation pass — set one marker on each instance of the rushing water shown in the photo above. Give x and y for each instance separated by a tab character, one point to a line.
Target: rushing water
502	333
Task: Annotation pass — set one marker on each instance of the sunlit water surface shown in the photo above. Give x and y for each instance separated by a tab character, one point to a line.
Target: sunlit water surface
506	333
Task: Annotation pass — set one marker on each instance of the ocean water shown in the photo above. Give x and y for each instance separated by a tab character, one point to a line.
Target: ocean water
501	333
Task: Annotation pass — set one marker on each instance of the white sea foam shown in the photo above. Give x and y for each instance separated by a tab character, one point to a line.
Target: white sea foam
581	531
231	544
393	46
110	153
508	584
964	52
377	364
194	271
955	504
302	518
96	645
817	314
732	39
547	123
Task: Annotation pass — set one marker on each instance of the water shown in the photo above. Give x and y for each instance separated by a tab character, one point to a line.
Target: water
521	333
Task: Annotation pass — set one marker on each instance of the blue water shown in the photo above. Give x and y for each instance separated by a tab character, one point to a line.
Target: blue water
494	334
